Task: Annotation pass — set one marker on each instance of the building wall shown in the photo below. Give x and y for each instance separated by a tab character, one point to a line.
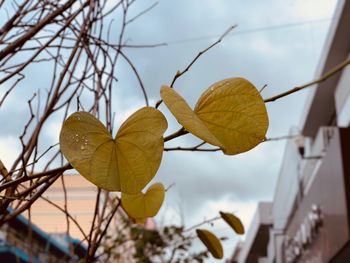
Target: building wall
342	98
287	186
320	109
25	242
310	208
81	198
20	240
318	228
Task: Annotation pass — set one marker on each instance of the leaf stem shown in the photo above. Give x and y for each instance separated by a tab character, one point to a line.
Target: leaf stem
176	134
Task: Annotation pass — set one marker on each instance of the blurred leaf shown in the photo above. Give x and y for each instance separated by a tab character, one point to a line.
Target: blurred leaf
212	243
143	205
126	163
234	222
230	114
140	221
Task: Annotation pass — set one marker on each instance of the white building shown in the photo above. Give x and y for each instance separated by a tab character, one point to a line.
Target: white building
309	218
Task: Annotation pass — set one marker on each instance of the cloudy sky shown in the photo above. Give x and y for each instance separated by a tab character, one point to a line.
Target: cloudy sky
277	43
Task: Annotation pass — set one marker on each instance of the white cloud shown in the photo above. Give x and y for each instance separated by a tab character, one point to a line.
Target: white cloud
53	131
10	147
311	9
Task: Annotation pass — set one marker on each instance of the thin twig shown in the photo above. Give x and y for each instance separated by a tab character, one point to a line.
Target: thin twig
180	73
176	134
193	148
141	13
14	198
103	233
169	187
131	64
67	214
286	137
197	148
327	75
263	87
49	173
207	221
23	39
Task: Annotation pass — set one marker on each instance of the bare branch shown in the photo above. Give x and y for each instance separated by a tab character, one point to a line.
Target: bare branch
20	42
207	221
180	73
141	13
327	75
176	134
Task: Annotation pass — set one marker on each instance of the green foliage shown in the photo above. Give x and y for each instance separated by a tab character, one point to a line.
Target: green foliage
169	244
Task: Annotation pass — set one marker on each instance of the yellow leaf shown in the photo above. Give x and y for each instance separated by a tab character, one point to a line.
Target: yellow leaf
230	114
126	163
185	115
140	221
142	205
212	243
234	111
234	222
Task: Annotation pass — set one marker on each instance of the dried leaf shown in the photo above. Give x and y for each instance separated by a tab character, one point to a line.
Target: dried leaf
212	243
234	222
126	163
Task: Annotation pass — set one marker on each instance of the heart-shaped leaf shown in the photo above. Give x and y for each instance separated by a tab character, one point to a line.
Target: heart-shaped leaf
234	222
212	243
143	205
126	163
186	116
232	111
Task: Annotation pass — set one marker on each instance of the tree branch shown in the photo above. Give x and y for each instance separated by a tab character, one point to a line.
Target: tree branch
180	73
327	75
